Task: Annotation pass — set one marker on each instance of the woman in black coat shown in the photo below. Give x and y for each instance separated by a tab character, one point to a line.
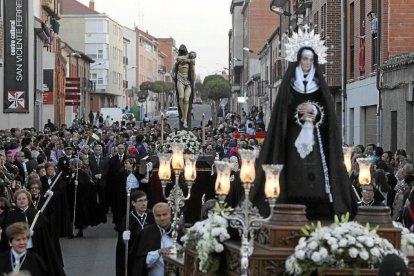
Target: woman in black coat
41	241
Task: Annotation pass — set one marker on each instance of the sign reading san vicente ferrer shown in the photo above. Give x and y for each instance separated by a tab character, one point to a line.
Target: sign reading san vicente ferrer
16	92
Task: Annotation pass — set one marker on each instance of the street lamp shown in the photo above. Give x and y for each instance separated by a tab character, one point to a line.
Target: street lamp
247	50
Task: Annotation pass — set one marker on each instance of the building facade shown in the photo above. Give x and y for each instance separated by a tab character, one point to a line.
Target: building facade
22	63
101	38
252	24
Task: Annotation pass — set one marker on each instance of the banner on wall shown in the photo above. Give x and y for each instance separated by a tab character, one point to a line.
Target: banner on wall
16	68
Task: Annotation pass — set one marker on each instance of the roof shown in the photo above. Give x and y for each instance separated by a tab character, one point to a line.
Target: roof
75	7
398	61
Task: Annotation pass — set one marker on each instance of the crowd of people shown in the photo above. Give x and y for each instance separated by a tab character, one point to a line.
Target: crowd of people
55	181
61	179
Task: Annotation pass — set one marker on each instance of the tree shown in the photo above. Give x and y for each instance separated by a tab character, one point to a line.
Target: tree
146	85
217	88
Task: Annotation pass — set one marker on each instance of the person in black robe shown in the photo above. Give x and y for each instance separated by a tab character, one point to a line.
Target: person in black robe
139	218
128	176
41	241
60	217
236	192
18	258
87	211
317	177
148	243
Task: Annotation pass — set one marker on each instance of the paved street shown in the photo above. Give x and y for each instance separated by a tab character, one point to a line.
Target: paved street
92	255
199	109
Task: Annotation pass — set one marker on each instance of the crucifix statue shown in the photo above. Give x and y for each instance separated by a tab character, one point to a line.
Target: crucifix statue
184	77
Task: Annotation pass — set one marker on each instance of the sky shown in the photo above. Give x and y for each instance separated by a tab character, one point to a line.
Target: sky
202	26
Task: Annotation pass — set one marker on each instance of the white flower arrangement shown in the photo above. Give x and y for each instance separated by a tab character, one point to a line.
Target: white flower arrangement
207	237
340	245
407	239
192	145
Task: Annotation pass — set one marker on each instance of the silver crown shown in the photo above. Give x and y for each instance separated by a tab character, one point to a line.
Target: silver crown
305	38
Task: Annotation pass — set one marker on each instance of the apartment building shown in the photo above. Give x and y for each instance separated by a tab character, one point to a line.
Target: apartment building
101	38
253	23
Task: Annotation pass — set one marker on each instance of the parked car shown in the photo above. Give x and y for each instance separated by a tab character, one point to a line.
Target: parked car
172	112
197	101
128	117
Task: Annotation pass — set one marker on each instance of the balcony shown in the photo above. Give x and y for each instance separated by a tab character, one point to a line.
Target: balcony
51	7
302	5
278	3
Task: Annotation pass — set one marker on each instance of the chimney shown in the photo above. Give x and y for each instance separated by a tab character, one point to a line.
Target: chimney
92	4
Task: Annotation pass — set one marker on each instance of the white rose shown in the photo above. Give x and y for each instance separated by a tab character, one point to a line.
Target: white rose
313	245
219	248
323	252
316	257
364	255
300	254
353	252
343	243
351	240
375	252
369	242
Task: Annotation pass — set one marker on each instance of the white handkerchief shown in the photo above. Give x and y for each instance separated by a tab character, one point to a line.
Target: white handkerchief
304	143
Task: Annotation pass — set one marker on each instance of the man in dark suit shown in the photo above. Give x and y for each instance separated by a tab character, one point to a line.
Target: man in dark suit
116	163
63	164
152	243
99	165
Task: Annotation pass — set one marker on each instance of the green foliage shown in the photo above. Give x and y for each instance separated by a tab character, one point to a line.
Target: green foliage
217	88
157	86
146	85
169	86
211	77
142	94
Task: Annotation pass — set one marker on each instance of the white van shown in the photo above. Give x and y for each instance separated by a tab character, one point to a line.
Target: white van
115	113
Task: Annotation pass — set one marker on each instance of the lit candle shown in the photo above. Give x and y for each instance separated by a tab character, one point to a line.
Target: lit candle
347	158
272	186
177	156
162	128
364	177
223	177
247	170
190	171
164	170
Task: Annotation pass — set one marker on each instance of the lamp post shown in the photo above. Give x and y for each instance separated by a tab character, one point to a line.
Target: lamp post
176	199
246	217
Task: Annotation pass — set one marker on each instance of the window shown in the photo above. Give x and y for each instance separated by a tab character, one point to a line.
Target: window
94	76
100	54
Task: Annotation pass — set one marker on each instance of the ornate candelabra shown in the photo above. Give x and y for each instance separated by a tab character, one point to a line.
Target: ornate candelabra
246	217
176	199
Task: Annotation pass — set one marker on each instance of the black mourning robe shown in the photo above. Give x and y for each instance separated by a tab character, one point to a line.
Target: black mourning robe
43	242
60	217
135	227
149	239
300	180
32	263
88	212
